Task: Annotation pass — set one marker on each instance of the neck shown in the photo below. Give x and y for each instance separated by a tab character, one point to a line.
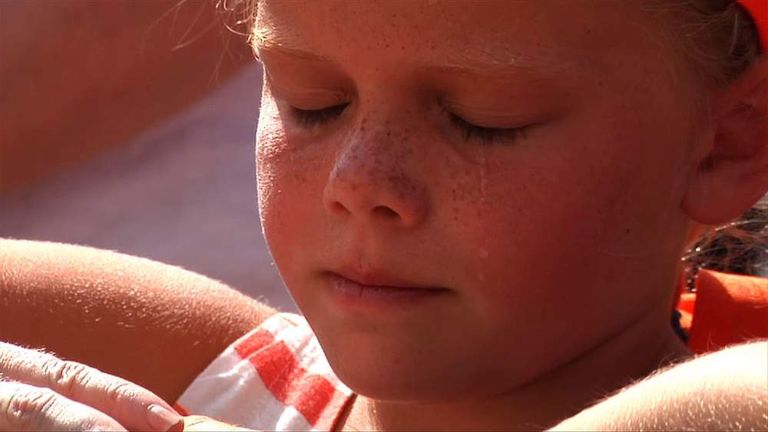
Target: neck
625	357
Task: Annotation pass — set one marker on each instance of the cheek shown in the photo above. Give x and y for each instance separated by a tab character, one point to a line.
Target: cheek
288	180
565	222
610	181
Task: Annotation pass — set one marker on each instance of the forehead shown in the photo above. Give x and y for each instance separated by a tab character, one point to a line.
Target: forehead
542	33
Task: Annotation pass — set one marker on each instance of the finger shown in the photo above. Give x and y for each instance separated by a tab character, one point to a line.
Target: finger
133	406
201	423
27	408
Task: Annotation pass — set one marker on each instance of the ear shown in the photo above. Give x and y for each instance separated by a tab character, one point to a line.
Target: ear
733	174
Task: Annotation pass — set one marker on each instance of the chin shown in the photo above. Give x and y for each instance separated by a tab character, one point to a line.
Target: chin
402	378
400	387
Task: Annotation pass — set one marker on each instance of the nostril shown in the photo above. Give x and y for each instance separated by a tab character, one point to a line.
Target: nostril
338	207
385	212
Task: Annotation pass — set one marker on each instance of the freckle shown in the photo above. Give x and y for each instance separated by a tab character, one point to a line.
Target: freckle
300	178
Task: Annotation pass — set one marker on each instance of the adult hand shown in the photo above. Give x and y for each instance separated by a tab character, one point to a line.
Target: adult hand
206	424
41	392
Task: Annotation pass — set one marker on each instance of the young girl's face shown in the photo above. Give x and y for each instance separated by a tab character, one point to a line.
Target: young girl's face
523	167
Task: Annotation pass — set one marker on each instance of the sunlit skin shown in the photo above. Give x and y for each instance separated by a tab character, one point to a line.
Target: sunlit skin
557	240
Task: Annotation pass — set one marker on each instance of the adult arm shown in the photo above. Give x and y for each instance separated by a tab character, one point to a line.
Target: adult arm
73	86
725	390
152	324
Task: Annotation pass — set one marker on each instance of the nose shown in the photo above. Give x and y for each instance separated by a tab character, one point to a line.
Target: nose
370	181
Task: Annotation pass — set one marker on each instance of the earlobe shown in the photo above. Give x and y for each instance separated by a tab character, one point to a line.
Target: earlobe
733	174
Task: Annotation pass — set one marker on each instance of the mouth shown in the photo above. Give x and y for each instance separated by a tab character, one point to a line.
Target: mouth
379	289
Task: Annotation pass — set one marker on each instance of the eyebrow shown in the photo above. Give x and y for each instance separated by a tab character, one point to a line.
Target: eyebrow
266	40
271	45
480	62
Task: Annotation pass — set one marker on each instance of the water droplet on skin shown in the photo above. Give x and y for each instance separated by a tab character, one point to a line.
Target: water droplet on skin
483	179
482	252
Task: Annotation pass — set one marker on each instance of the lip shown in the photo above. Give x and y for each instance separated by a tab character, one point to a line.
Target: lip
379	291
380	279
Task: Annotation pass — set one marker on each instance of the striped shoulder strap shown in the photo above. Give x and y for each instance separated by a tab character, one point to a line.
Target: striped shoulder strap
275	377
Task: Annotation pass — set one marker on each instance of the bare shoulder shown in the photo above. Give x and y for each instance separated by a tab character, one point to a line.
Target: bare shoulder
724	390
151	323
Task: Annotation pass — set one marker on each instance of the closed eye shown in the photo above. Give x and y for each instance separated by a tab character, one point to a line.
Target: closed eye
486	134
312	118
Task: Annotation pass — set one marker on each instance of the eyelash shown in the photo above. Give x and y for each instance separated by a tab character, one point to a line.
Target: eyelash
312	118
486	134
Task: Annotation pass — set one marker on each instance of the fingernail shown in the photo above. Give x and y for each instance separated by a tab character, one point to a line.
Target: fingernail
163	420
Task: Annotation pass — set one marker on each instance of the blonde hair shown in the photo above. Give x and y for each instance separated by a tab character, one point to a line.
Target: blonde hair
719	37
740	246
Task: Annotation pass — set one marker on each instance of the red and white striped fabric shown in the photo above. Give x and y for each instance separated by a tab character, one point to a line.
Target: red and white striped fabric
276	377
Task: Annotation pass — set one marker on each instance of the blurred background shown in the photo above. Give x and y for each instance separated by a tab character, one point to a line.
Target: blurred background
129	125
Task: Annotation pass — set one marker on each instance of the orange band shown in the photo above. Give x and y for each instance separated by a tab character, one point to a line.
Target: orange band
759	11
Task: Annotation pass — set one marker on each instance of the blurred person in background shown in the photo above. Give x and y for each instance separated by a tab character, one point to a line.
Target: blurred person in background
129	126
